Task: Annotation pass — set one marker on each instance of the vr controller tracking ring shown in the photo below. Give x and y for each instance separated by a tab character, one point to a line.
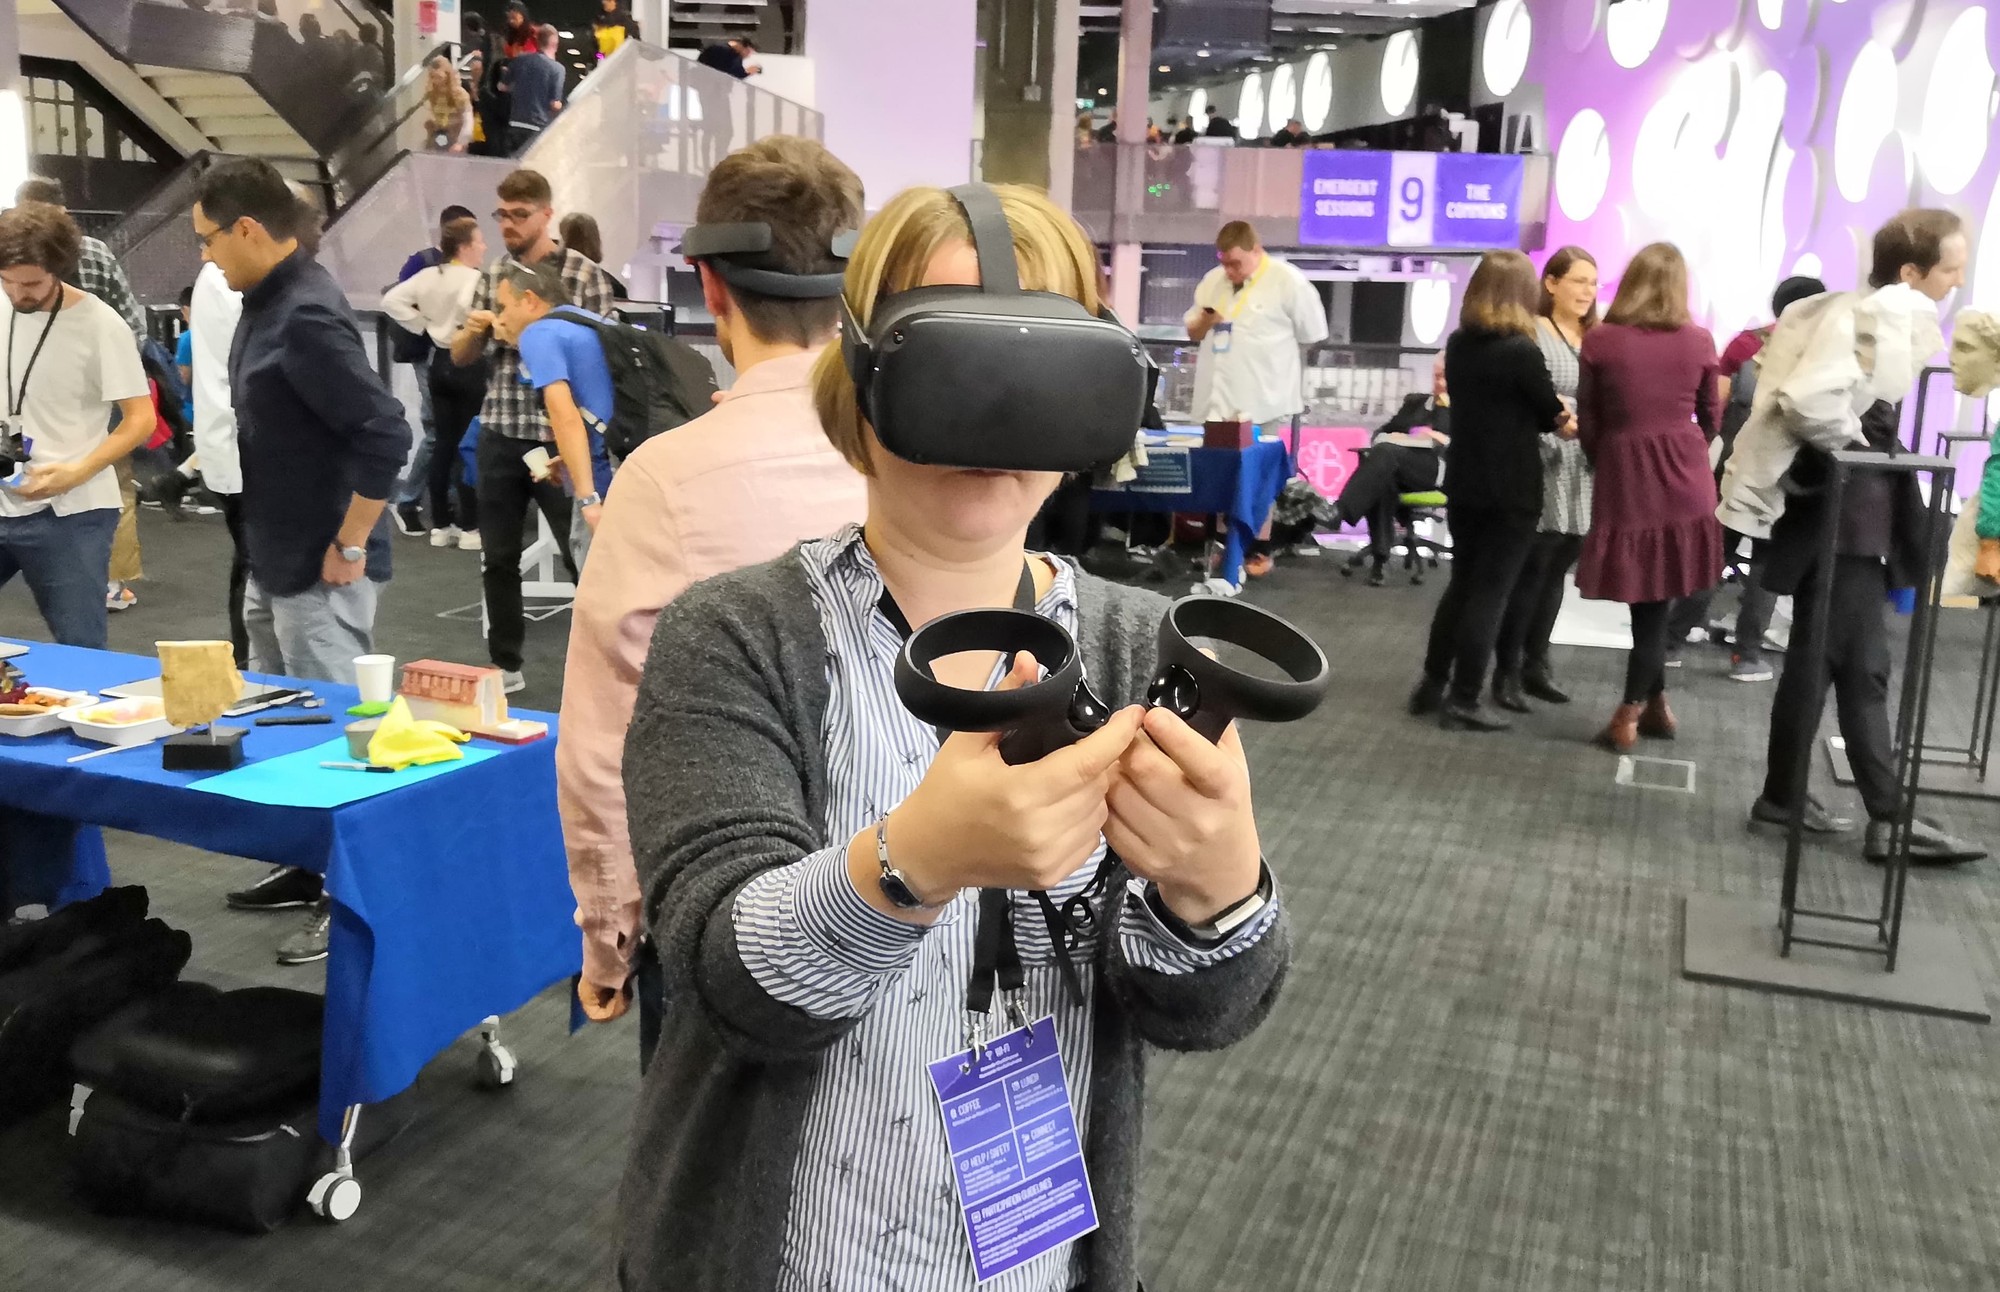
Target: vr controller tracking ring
1006	631
1209	693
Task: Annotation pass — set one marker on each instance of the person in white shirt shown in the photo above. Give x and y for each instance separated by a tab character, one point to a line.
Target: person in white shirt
212	314
436	300
70	362
1253	314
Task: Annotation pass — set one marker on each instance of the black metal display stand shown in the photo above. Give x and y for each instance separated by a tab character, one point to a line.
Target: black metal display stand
1923	967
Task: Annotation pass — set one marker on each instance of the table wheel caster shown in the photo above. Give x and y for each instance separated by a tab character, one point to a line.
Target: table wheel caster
335	1197
496	1066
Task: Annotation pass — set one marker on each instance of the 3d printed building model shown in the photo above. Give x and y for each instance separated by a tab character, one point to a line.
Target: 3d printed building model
467	696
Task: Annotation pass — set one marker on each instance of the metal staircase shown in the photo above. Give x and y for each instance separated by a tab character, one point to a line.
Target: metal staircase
235	119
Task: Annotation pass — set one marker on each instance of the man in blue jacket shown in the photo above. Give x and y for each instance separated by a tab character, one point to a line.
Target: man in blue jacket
322	439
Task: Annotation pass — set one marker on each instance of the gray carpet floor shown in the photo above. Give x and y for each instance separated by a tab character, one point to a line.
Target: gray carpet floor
1484	1073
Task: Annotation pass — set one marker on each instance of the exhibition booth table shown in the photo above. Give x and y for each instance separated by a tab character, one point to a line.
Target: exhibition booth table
1180	475
449	894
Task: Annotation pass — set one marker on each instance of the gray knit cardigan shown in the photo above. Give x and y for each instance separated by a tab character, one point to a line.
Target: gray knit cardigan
725	776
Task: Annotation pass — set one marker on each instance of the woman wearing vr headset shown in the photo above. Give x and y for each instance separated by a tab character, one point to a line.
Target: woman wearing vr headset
817	866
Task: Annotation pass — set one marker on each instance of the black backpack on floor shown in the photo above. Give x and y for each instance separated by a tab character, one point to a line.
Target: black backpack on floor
657	383
203	1055
47	1004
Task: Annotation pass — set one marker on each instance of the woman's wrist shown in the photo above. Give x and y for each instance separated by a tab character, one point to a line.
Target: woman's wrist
1198	899
864	869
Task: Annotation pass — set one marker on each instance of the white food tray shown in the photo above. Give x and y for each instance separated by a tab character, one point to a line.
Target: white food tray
35	724
117	733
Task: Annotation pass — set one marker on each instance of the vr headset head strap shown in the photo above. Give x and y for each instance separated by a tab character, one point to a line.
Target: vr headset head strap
992	238
714	244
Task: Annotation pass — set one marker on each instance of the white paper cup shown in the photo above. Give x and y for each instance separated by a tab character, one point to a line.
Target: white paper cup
537	462
376	676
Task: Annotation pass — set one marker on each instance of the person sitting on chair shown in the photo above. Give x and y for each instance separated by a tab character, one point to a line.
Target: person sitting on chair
1403	457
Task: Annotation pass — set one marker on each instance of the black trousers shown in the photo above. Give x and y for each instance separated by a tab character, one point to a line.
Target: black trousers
1487	549
239	575
1535	602
1753	614
1386	472
1646	666
1857	666
456	394
505	492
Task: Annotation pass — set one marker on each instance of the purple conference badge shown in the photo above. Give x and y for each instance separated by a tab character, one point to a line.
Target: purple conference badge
1015	1150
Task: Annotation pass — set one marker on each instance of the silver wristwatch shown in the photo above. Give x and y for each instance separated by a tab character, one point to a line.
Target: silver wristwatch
353	553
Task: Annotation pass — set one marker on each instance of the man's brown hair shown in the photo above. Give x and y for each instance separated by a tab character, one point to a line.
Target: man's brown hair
1653	291
40	188
36	233
526	185
1912	237
808	197
1502	296
1237	235
456	235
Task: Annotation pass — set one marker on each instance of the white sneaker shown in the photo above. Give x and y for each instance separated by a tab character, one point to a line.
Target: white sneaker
448	536
468	540
511	681
1307	548
1216	587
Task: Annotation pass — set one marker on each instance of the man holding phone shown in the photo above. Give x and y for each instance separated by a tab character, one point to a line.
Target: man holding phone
70	362
1253	314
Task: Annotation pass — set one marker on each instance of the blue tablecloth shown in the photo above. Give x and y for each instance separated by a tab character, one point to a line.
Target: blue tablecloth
1242	484
450	896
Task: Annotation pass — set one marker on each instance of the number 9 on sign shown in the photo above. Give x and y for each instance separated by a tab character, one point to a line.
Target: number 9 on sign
1412	190
1413	178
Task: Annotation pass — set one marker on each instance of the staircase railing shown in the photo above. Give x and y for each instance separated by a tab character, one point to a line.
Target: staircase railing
322	71
155	240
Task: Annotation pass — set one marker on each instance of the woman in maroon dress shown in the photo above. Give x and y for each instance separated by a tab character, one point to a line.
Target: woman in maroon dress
1646	406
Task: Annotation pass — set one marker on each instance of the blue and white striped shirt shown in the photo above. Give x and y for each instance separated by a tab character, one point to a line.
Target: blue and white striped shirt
872	1196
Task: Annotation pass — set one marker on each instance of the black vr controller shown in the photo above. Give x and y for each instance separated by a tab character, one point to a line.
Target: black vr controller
1061	708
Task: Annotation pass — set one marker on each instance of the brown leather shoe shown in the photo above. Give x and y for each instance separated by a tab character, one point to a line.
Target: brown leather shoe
1658	720
1622	732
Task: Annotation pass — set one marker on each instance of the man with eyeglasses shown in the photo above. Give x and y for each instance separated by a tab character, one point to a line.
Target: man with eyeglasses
512	420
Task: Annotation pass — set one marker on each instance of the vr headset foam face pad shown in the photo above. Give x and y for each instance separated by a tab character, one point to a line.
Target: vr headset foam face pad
956	377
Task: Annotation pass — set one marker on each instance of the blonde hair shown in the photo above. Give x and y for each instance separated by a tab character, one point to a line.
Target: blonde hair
896	248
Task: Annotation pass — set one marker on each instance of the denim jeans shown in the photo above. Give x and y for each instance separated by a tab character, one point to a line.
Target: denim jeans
313	634
66	561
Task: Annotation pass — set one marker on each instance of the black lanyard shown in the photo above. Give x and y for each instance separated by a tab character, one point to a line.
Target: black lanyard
16	402
996	953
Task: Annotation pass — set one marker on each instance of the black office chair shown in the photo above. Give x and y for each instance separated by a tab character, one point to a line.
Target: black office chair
1419	551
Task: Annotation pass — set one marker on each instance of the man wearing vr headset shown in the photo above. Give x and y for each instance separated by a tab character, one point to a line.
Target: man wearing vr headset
734	487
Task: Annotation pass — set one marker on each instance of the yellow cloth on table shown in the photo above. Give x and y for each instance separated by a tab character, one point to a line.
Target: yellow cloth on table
407	741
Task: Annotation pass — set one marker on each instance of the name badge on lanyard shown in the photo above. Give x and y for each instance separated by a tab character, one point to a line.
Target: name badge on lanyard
1015	1150
1223	334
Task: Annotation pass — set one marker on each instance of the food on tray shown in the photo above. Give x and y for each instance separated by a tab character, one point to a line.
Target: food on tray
124	713
29	702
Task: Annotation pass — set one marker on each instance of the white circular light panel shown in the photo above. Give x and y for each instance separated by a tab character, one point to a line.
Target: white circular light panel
1958	106
1583	165
1510	32
1284	96
1867	115
1399	72
1632	28
1250	106
1316	95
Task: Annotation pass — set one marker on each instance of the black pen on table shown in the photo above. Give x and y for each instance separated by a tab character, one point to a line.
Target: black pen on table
356	767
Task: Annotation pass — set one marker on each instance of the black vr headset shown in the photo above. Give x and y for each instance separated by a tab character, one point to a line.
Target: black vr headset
993	377
740	254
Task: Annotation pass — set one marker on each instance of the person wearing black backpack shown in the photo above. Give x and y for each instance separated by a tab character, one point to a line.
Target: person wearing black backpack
563	359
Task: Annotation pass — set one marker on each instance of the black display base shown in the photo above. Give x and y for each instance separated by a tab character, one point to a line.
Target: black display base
218	749
1734	941
1945	774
